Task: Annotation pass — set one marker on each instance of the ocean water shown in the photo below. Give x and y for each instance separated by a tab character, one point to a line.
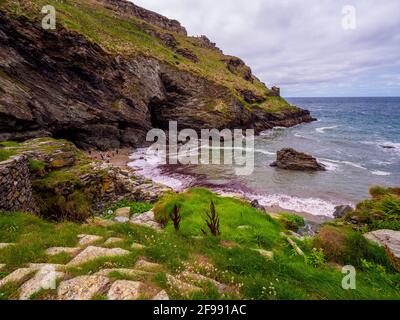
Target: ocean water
349	138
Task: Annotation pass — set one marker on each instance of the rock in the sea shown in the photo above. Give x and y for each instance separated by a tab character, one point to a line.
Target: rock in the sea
290	159
341	211
389	239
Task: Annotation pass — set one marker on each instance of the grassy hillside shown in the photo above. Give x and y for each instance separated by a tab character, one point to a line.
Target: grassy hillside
129	36
231	259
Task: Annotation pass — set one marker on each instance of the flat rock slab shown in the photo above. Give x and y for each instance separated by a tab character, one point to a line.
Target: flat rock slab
124	290
87	239
123	212
126	272
161	296
57	250
147	266
147	220
16	276
182	287
5	245
93	253
111	241
82	288
52	266
44	279
386	238
195	277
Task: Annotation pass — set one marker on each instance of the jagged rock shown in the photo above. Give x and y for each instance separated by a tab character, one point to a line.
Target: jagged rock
127	272
161	296
182	287
112	241
255	204
147	266
386	238
137	246
290	159
16	276
146	219
87	239
121	219
124	290
105	114
123	212
93	253
82	288
341	211
57	250
44	279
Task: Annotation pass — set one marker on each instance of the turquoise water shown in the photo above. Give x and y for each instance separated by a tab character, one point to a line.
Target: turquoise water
349	138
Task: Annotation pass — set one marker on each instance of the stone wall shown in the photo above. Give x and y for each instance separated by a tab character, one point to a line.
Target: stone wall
15	185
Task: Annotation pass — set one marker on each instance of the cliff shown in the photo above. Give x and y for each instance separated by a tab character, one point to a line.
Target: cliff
112	70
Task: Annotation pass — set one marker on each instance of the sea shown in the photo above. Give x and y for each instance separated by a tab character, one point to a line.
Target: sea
357	139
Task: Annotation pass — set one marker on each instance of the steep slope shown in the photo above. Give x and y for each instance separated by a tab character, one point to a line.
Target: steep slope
112	70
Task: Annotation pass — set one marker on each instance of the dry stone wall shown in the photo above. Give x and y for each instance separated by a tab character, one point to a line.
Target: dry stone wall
15	185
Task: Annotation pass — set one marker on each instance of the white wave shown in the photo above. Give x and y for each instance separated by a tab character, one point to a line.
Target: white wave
380	173
323	129
329	165
146	163
265	152
312	206
349	163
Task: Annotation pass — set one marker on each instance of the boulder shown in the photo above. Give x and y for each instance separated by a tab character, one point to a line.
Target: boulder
255	204
82	288
124	290
389	239
290	159
341	211
123	212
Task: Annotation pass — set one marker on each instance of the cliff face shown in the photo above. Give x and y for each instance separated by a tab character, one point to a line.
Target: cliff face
103	92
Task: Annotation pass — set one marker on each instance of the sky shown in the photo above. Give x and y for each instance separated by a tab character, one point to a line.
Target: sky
307	47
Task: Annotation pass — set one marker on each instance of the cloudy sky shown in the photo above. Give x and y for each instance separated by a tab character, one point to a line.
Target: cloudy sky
301	45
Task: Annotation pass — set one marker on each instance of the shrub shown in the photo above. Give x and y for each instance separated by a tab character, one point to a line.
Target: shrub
316	258
74	207
346	246
176	217
291	221
165	205
382	212
212	221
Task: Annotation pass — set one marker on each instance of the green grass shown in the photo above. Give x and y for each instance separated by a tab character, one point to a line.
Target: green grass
6	154
136	207
382	211
287	276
